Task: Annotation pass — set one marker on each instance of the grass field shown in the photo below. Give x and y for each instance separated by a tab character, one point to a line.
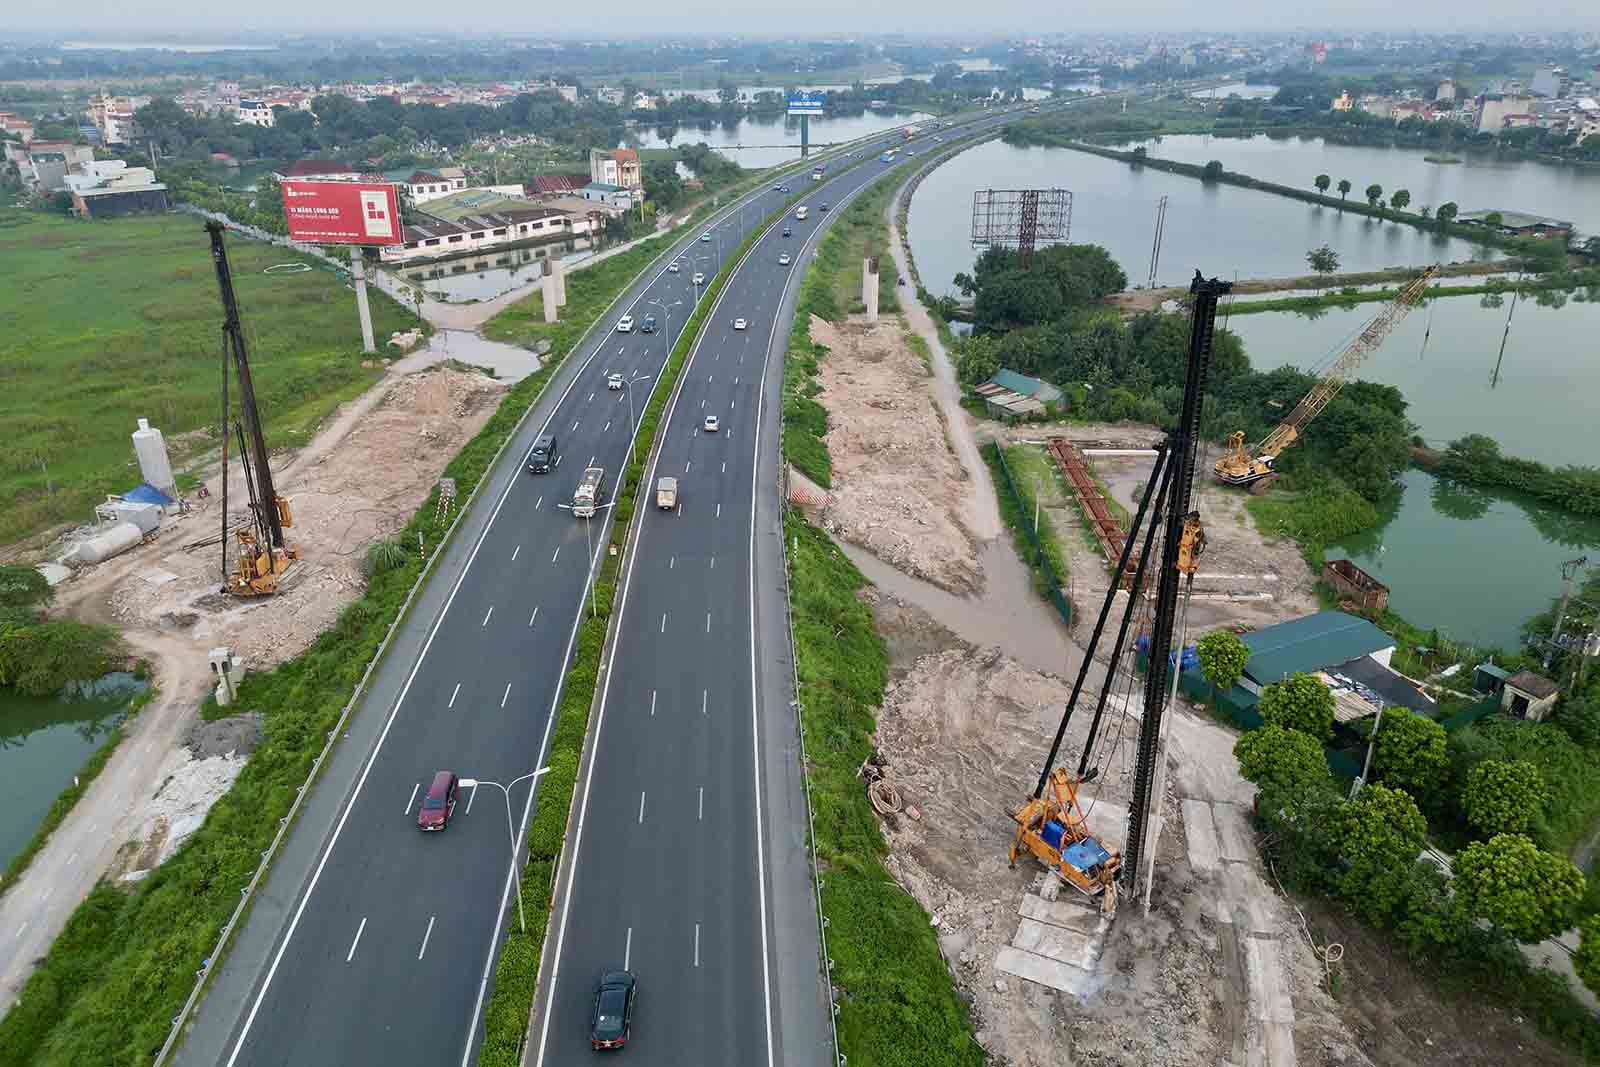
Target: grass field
104	322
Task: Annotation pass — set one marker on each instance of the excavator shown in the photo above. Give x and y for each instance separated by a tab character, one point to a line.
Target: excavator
1257	467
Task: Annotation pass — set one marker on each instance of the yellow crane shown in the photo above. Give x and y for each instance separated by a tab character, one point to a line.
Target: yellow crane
1242	466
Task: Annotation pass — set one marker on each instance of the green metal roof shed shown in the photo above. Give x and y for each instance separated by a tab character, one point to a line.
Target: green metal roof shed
1310	643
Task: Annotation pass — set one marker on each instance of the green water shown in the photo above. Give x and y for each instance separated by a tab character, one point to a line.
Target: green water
44	741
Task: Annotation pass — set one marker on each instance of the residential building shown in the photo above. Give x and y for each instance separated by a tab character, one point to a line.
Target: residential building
254	113
607	95
1344	101
1527	695
1381	106
618	166
455	176
107	188
17	126
1518	224
643	102
319	170
43	165
1009	395
1446	93
424	185
1550	83
615	198
113	117
1494	108
569	93
545	185
1346	653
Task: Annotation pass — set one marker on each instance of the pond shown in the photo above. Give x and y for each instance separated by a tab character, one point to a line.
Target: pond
1223	230
1477	183
774	138
44	742
1541	406
487	275
1474	563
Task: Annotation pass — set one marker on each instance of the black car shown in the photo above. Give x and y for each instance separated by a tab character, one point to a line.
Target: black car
824	205
787	232
613	1010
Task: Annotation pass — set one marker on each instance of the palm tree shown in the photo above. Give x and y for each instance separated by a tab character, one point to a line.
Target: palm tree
1344	187
1322	183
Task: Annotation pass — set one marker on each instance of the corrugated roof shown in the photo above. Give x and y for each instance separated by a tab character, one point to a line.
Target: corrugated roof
1310	643
1535	685
1017	383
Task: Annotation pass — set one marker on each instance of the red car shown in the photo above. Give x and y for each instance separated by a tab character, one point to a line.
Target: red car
440	802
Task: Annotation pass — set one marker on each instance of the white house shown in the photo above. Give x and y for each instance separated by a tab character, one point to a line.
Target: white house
254	113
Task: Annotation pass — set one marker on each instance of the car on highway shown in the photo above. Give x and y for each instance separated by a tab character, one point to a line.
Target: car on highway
612	1016
711	425
440	801
613	381
648	325
699	279
625	324
823	206
783	260
672	268
739	324
667	494
788	232
706	236
543	455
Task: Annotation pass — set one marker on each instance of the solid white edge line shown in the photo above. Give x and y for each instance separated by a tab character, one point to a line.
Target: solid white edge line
352	954
511	483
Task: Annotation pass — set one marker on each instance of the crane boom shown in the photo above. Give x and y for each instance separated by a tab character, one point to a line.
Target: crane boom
1241	466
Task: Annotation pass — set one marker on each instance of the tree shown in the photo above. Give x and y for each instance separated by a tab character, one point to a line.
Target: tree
1323	260
1503	796
1374	191
1400	199
1299	702
1446	213
1285	762
1222	658
1424	211
1493	219
1344	188
1212	171
1509	881
1380	834
1140	154
1409	751
1580	718
24	592
1586	960
1322	183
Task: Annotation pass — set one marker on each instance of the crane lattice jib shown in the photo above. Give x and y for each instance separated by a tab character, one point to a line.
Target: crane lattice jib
1334	378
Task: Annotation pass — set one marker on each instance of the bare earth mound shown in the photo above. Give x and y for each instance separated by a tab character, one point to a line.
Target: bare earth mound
897	486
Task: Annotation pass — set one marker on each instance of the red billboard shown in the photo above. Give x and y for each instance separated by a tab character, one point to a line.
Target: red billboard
343	213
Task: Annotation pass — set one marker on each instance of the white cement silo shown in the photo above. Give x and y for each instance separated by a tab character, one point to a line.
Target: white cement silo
154	467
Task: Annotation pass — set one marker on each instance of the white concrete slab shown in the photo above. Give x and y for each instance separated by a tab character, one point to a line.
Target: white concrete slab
1200	834
1073	912
1059	943
1045	971
1237	842
1269	991
1108	820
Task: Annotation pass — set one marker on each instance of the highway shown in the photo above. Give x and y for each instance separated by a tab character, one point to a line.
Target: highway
373	943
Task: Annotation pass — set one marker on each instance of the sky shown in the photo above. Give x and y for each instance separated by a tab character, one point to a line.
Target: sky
815	17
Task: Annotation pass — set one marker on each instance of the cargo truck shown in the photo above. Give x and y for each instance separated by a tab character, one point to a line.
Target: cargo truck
590	492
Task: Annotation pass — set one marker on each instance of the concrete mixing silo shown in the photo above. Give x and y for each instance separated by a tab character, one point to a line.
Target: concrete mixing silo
154	466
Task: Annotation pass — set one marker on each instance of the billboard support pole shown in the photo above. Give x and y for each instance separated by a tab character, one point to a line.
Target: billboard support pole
805	136
358	271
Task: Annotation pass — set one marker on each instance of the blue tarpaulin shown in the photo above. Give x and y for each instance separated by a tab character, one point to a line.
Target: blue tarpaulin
145	493
1086	854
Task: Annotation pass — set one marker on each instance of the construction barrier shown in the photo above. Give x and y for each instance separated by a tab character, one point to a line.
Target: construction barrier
1052	584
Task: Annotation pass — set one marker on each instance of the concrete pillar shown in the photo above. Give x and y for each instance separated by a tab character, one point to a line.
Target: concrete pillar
869	287
560	270
548	292
358	271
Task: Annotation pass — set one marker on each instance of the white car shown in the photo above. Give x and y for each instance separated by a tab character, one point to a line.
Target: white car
706	236
672	268
699	279
613	381
711	424
783	260
625	324
739	324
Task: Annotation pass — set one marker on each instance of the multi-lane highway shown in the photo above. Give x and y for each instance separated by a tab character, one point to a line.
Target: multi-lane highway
374	943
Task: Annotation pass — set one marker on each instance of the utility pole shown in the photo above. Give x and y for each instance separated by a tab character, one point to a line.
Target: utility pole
1569	570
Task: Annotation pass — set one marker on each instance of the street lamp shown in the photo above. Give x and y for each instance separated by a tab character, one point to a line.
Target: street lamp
666	316
511	827
588	535
627	383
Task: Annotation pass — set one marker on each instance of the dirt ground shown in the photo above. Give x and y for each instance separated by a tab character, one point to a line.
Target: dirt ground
897	484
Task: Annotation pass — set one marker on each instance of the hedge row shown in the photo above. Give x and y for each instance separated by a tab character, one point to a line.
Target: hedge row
125	963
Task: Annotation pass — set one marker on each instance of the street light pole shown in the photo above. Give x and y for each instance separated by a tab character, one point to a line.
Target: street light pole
511	828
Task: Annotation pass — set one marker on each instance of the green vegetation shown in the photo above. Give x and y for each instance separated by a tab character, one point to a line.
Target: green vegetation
506	1018
1222	658
1286	761
1571	776
1409	751
40	656
1039	486
1502	796
1477	460
897	1005
1524	892
1299	702
124	964
589	291
1546	287
68	797
127	312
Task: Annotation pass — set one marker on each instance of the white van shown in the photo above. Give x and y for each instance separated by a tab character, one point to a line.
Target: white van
800	212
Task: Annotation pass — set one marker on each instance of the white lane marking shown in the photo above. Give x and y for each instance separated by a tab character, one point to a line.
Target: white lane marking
641	807
575	425
724	466
71	858
486	615
687	465
518	550
733	403
627	949
607	427
697	944
21	928
702	403
470	798
713	562
663	622
535	615
555	554
506	696
735	379
413	800
680	509
708	622
425	935
719	509
540	501
672	562
591	398
705	698
352	953
559	459
701	814
453	694
652	702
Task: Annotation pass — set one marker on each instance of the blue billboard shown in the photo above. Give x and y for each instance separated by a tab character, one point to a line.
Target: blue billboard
802	102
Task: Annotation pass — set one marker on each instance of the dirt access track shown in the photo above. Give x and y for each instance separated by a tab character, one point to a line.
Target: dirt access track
359	479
